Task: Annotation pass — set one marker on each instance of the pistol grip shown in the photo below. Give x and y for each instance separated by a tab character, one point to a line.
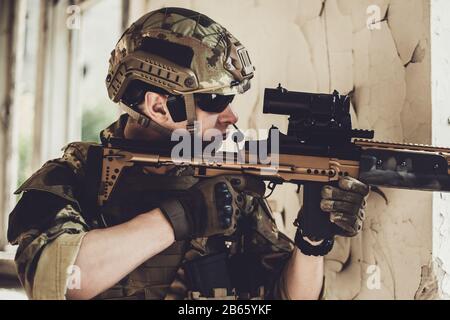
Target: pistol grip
316	223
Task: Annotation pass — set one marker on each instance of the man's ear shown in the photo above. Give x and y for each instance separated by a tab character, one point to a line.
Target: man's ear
155	107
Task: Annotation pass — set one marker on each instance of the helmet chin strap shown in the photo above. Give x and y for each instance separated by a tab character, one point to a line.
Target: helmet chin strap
146	122
190	112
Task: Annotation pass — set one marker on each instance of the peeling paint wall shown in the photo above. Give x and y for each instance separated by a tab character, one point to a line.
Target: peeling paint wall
380	49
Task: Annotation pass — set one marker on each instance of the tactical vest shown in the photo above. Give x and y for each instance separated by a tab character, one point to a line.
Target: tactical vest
138	192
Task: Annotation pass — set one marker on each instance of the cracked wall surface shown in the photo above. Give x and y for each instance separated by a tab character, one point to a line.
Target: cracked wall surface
380	50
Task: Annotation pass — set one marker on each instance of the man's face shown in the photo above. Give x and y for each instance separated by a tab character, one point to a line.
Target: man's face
217	121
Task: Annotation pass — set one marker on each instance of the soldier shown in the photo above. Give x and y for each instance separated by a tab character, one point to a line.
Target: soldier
163	235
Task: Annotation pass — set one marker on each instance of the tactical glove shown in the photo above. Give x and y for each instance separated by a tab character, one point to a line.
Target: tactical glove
346	204
211	207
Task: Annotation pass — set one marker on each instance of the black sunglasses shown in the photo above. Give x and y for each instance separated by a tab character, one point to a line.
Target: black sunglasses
206	101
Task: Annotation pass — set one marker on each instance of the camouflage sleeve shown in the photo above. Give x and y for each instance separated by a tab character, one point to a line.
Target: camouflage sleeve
48	227
45	253
274	248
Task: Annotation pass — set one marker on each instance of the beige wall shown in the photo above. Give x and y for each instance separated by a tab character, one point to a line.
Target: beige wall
319	46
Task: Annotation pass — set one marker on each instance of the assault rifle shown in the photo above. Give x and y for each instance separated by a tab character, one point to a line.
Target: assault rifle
320	147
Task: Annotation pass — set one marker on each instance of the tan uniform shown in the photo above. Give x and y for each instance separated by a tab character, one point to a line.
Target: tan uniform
49	224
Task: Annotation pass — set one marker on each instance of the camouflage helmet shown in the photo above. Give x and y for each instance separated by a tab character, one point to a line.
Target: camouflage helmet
182	52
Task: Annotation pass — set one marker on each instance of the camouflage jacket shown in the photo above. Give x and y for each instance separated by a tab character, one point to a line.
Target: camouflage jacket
49	223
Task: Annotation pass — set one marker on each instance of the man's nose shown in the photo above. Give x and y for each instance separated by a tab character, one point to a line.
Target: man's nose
228	116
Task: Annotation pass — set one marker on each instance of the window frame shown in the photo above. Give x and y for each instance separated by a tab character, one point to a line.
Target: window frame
12	19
